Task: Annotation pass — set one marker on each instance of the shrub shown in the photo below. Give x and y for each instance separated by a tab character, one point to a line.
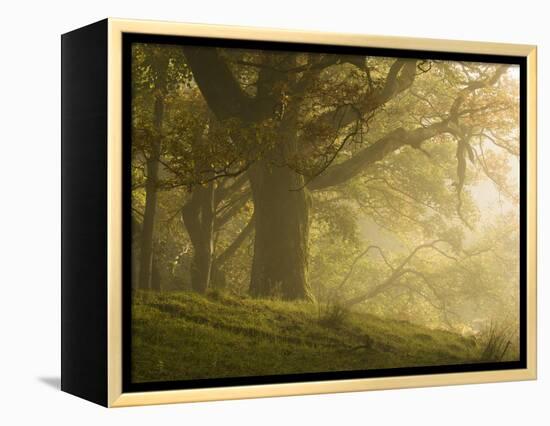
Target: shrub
496	343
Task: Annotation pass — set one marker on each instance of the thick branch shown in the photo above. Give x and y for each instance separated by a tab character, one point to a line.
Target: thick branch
234	246
220	88
232	209
342	172
225	191
400	77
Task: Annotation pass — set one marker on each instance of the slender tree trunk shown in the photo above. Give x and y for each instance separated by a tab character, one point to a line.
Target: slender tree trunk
198	217
152	168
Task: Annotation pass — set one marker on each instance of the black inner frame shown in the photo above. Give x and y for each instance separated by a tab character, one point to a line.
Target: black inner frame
128	386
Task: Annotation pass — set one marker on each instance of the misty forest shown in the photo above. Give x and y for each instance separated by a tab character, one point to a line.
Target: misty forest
301	212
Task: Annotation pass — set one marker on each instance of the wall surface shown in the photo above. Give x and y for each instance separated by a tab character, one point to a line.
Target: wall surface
29	217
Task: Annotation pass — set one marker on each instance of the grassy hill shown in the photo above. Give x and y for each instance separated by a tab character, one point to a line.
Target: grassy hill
179	336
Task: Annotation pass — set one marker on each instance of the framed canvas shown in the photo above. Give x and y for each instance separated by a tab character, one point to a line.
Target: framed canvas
250	212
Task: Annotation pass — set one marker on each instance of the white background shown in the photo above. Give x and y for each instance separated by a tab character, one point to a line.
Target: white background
30	211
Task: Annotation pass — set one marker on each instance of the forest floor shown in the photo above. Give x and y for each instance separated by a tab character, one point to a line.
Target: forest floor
183	335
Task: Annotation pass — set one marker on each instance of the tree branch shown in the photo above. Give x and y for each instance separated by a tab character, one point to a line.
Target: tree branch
220	88
234	246
400	77
396	274
342	172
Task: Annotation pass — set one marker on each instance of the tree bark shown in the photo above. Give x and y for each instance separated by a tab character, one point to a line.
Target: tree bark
281	217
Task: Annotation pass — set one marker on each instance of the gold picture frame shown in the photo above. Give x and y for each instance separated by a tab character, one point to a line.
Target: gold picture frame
115	396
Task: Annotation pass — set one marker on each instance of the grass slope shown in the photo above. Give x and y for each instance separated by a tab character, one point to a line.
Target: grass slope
181	336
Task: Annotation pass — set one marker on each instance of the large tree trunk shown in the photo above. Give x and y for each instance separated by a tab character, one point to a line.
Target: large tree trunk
281	202
281	217
198	216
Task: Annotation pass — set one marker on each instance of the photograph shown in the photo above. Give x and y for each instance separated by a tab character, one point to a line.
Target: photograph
298	213
302	210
